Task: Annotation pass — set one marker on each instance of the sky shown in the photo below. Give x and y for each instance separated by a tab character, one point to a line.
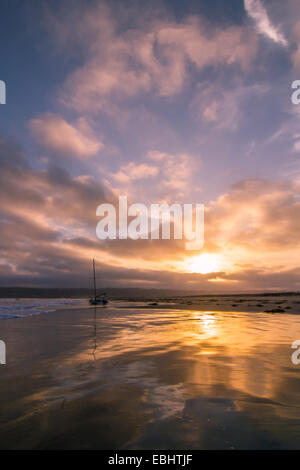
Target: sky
162	101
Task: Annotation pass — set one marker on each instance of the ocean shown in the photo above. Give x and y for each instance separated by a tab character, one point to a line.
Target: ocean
20	308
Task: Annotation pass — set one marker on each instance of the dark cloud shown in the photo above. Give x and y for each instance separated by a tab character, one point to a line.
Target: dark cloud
39	210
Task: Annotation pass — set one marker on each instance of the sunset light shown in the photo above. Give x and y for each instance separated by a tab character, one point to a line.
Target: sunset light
204	264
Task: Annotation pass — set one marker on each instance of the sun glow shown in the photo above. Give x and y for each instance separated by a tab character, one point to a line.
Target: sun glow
204	264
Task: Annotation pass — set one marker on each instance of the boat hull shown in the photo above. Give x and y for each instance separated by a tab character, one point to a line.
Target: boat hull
98	302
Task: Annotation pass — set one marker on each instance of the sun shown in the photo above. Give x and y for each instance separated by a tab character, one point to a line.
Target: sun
204	264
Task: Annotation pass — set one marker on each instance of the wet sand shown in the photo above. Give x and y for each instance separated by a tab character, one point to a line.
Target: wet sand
150	378
227	303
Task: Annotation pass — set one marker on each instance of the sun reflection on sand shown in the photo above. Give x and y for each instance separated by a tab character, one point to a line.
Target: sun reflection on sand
208	324
207	369
235	349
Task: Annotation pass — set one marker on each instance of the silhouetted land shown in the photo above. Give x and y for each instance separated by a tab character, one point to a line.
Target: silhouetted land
83	293
122	293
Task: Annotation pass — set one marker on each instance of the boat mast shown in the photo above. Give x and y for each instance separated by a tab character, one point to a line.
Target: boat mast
94	279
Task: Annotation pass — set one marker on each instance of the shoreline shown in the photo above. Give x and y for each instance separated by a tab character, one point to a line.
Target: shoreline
20	308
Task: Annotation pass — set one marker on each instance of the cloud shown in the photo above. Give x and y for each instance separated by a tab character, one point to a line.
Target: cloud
170	176
223	108
296	53
259	217
264	26
176	171
288	133
58	136
133	172
40	212
159	56
49	197
51	218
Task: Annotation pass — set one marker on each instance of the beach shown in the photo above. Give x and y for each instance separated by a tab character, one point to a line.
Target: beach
136	376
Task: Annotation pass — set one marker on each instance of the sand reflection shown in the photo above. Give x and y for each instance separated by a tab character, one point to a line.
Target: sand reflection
167	379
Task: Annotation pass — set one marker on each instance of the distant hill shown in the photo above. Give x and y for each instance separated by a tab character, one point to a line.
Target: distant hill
112	293
130	293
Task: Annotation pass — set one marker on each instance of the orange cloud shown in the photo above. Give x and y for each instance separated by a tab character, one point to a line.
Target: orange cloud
253	229
56	135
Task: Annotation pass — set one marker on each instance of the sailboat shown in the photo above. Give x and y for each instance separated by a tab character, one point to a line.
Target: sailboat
98	299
